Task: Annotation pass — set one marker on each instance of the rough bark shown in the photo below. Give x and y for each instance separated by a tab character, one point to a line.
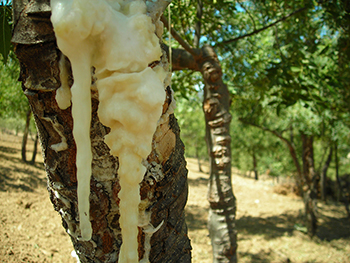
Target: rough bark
222	210
310	186
164	188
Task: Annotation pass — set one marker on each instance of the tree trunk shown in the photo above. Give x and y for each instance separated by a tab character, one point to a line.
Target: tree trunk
340	195
216	104
255	167
198	160
25	136
222	211
310	186
163	189
324	175
35	149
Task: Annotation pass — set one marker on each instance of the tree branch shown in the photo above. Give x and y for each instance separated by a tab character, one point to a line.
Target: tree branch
260	29
181	59
249	14
179	39
197	35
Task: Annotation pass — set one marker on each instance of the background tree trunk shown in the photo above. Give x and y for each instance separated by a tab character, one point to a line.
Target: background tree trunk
310	186
324	175
35	149
341	196
25	136
222	211
255	167
163	190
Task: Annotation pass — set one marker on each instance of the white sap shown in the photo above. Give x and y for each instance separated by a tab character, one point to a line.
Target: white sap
118	39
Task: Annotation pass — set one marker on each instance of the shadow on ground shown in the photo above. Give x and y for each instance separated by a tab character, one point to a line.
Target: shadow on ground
196	217
329	228
15	175
264	256
270	227
198	181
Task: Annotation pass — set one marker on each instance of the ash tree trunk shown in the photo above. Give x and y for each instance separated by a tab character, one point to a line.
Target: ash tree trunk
164	187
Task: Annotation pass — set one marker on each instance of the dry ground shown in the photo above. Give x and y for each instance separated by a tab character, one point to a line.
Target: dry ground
31	231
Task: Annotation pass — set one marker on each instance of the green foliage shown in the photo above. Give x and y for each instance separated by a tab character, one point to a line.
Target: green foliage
191	120
289	78
13	103
248	141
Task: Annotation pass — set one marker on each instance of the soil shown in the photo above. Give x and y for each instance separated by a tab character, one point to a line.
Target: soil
269	225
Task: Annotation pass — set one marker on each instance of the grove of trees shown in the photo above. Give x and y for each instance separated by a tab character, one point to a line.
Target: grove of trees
261	85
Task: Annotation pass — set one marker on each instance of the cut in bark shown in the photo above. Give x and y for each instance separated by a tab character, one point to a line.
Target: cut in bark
163	190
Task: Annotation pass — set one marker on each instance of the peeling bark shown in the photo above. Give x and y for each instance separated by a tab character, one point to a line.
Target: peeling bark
163	190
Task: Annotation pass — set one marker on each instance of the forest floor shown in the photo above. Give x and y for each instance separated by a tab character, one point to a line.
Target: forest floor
31	231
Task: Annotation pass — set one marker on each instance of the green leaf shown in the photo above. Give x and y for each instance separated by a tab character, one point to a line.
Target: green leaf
295	69
5	31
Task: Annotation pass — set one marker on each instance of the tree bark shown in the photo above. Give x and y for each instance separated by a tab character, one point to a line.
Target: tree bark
310	186
222	211
216	104
164	187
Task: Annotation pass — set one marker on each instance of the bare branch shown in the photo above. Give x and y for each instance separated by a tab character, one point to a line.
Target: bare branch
260	29
249	14
198	25
178	38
